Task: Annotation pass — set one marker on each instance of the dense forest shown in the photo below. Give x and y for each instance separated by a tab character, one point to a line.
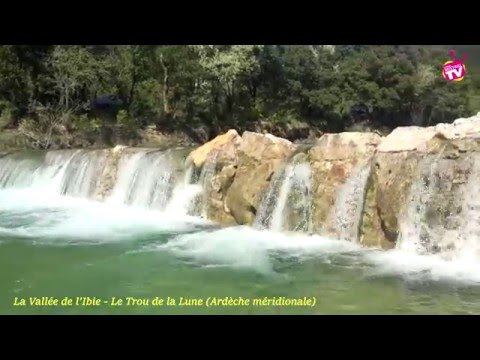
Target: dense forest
293	91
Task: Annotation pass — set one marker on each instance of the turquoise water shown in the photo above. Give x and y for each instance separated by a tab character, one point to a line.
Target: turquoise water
61	247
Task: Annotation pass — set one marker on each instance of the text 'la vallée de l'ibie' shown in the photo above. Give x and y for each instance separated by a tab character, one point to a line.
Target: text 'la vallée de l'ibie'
49	301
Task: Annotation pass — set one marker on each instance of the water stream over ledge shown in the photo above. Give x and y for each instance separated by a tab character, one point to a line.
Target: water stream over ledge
63	234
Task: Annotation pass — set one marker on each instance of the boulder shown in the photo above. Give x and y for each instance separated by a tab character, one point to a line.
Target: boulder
333	159
259	156
243	167
221	143
418	172
367	188
217	209
392	175
409	138
109	172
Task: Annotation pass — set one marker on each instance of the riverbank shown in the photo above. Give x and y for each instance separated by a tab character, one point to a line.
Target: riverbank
409	188
356	222
150	136
15	140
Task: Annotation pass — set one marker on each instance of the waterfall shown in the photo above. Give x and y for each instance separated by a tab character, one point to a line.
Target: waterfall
277	220
443	215
205	182
80	178
17	172
269	201
145	179
184	194
468	241
134	177
344	219
45	171
413	227
287	202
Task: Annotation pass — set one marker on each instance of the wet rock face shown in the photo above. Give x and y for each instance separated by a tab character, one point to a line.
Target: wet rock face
391	179
259	156
442	204
333	159
225	144
417	177
412	171
110	171
242	171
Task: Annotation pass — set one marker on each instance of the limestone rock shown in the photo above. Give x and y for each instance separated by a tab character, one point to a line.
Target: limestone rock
387	196
333	159
217	209
342	146
406	164
411	171
259	156
241	170
201	154
414	138
264	147
109	173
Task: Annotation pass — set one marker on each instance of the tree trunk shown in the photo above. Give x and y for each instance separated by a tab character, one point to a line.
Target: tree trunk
132	89
417	115
66	97
134	82
166	108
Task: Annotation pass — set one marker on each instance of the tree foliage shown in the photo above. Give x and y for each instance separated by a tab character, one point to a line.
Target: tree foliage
205	89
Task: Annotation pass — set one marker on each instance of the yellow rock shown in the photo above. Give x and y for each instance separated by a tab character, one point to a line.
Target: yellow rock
200	155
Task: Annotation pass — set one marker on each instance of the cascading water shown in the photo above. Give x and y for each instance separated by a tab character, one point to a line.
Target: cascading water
443	216
157	180
287	203
47	171
344	219
17	172
184	194
163	252
413	228
468	241
269	202
144	178
205	179
81	174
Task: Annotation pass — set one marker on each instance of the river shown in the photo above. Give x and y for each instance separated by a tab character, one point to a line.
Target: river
58	240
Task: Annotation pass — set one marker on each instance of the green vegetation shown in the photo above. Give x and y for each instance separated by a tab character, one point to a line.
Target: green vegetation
294	91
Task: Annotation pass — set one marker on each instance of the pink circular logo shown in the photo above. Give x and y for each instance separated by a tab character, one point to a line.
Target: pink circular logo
454	70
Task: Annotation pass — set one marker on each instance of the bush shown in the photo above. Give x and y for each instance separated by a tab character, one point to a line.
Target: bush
7	114
49	121
359	127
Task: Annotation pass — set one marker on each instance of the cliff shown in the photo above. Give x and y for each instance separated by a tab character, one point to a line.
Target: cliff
412	181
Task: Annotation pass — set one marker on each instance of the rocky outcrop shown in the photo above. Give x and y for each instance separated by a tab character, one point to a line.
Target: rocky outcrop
259	156
110	172
243	167
226	144
414	179
333	159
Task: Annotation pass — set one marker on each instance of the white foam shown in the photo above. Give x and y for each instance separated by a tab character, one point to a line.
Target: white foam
246	247
423	267
47	216
144	180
